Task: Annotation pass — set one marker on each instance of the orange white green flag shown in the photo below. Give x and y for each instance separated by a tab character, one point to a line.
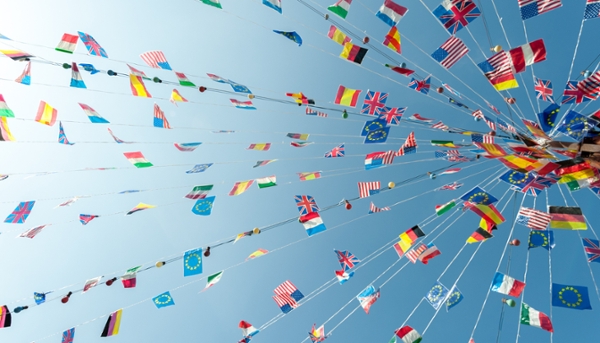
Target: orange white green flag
213	279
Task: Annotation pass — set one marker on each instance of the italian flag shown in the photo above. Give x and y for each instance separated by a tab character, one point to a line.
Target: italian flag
533	317
341	8
408	335
137	159
213	279
5	111
268	181
441	209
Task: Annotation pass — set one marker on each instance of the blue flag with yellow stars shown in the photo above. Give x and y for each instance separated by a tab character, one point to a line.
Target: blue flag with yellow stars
293	36
574	124
455	102
373	125
541	239
377	136
548	117
192	262
437	295
163	300
478	196
39	298
575	297
454	298
203	207
517	179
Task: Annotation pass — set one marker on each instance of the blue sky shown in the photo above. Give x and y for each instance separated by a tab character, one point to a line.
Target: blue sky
238	43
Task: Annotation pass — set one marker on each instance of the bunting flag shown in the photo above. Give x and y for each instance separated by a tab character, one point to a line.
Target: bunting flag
25	77
137	159
5	134
259	146
379	159
203	206
592	249
240	187
408	335
301	136
311	112
307	176
338	36
505	284
418	117
375	209
564	217
413	254
90	68
31	233
341	8
163	300
257	253
436	297
213	279
409	146
451	90
263	163
266	182
67	43
533	8
421	86
533	219
292	35
392	115
183	80
213	3
5	317
456	15
117	139
541	239
159	118
156	59
138	72
129	278
548	117
454	298
592	9
478	195
21	212
366	189
312	223
16	55
91	45
39	298
374	103
62	137
527	54
187	147
504	126
573	95
391	13
76	80
176	97
139	207
243	105
400	69
199	192
543	90
441	209
574	297
137	86
346	96
92	115
89	284
300	98
338	151
377	136
192	262
450	52
68	335
274	4
353	53
317	334
407	239
111	328
199	168
488	212
517	179
46	114
479	235
342	276
451	186
368	297
86	218
498	71
574	125
392	40
429	253
533	317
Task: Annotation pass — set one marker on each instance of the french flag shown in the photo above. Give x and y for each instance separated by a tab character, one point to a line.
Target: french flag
391	13
504	284
528	54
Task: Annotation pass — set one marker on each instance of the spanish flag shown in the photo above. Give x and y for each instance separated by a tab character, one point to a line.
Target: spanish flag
492	150
569	218
137	86
520	162
46	114
240	187
346	96
488	212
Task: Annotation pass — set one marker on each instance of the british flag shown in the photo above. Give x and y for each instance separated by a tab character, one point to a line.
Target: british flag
392	115
374	102
573	95
347	259
338	151
68	336
306	204
421	86
20	214
311	112
592	249
543	90
92	46
540	183
451	187
456	14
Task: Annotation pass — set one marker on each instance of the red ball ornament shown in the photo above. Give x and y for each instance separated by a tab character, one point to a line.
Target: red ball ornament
348	205
492	133
202	89
207	252
366	40
510	101
65	299
515	242
440	90
111	281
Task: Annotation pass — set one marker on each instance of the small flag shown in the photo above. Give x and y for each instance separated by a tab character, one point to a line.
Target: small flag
39	298
456	15
117	139
192	262
112	324
263	163
527	54
454	298
346	259
346	96
575	297
312	223
592	9
441	209
274	4
311	112
375	209
307	176
366	189
421	86
407	239
479	235
137	87
266	182
408	335
564	217
20	213
533	8
257	253
450	52
129	278
244	105
418	117
199	192
92	115
533	317
338	36
413	254
400	70
139	207
213	3
504	284
338	151
62	137
31	233
76	80
592	249
374	102
431	252
292	35
259	146
353	53
488	212
5	317
541	238
46	114
176	97
188	147
392	115
199	168
16	55
341	8
183	80
343	276
203	206
543	90
212	280
451	90
67	43
478	196
91	283
240	187
163	300
498	71
90	68
159	118
86	218
391	13
92	45
137	159
368	297
25	77
533	219
393	41
437	295
379	159
156	59
306	204
300	144
69	335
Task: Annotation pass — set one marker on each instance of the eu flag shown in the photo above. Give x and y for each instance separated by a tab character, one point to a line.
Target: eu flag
454	298
575	297
574	124
547	118
541	239
517	179
479	196
39	298
203	207
293	36
192	262
437	295
373	125
163	300
377	136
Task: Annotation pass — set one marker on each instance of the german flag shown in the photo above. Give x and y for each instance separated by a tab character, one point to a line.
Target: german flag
479	235
569	218
407	239
353	53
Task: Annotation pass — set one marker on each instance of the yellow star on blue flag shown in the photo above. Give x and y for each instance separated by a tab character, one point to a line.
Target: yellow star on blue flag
163	300
454	298
203	207
192	262
541	239
437	295
377	136
575	297
479	196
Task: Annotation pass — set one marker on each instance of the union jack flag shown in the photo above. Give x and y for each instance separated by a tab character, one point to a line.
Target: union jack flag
409	146
311	112
456	14
492	107
338	151
347	259
540	183
440	126
451	187
543	90
421	86
374	102
392	115
366	189
68	336
592	249
20	214
306	204
573	95
92	46
375	209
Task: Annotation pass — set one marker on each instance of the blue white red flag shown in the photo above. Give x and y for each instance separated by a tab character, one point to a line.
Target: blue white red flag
391	13
421	86
338	151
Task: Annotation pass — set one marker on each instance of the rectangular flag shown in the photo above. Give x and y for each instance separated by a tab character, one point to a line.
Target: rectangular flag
488	212
203	206
156	59
407	239
391	13
379	159
441	209
413	254
129	278
159	118
67	43
183	80
368	297
5	134
311	112
76	80
301	136
212	280
431	252
592	249
592	9
31	233
92	115
92	45
479	235
20	213
533	8
533	317
137	86
243	105
375	209
437	295
341	8
453	299
192	262
455	15
346	96
68	336
199	192
497	70
137	159
505	284
533	219
240	187
259	146
527	54
16	55
569	296
564	217
307	176
111	328
46	114
353	53
312	223
266	182
5	111
450	52
338	36
274	4
263	163
187	147
366	189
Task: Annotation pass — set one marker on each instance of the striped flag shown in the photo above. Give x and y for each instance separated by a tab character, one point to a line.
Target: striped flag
240	187
25	77
244	105
375	209
414	254
590	85
450	52
451	187
418	117
67	44
307	176
440	126
450	171
183	80
5	134
366	189
533	219
498	70
409	146
76	80
287	296
338	36
478	114
263	163
187	146
311	112
259	146
533	8
156	59
159	118
32	232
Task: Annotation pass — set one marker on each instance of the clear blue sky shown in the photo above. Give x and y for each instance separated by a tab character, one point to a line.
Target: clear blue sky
238	43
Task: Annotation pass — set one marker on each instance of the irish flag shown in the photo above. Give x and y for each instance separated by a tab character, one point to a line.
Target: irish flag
137	159
268	181
533	317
